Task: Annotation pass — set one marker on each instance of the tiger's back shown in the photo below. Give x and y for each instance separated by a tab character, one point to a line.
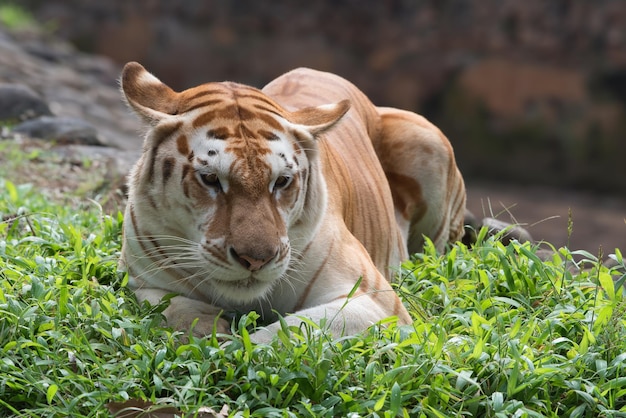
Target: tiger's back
384	153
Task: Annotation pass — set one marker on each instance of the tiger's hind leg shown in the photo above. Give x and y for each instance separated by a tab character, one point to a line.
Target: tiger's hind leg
426	185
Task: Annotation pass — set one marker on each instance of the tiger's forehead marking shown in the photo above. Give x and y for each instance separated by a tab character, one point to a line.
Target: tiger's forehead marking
237	130
240	115
232	102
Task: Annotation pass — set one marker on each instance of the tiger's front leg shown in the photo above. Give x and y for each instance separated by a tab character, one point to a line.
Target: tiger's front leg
334	304
337	318
182	312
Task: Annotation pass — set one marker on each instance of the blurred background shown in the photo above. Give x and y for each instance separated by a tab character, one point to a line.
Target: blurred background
532	94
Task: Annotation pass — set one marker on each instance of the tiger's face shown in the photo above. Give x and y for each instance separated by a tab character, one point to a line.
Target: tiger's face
232	180
246	187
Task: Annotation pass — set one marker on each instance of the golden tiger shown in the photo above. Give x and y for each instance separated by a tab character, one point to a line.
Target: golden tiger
279	200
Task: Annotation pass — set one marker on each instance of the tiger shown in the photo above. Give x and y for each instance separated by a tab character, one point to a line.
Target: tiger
298	201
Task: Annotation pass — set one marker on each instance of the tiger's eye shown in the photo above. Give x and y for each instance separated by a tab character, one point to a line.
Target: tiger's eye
282	182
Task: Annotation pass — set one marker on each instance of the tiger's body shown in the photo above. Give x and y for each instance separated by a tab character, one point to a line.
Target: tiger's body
277	201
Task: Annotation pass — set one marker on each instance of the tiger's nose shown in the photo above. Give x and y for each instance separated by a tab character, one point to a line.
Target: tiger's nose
249	262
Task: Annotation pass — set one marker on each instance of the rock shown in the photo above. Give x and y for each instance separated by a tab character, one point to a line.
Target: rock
72	84
19	102
63	130
545	254
121	161
509	231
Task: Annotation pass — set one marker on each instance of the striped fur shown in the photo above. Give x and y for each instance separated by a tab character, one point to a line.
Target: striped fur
275	200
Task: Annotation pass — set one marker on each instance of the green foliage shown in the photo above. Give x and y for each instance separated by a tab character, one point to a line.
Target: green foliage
15	17
63	178
518	335
497	333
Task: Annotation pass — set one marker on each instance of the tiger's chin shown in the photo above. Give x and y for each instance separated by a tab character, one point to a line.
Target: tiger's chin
243	290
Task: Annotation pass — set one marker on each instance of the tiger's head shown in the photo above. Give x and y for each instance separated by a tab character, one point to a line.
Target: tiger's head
228	187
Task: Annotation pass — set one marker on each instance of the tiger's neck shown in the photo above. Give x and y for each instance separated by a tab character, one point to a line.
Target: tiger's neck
311	211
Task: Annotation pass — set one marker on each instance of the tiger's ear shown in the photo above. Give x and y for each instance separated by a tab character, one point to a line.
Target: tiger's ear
146	94
321	118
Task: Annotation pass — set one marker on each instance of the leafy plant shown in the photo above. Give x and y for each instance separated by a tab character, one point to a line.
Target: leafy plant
15	17
498	332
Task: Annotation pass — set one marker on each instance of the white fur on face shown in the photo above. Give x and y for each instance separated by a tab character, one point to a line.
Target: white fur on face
210	157
227	277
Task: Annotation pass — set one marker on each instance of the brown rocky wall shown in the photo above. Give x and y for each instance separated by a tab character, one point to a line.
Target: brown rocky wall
529	91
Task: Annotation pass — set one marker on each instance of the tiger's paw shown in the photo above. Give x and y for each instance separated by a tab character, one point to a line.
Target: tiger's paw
184	314
206	324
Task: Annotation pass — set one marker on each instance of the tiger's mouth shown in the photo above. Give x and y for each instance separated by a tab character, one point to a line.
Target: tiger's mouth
238	284
242	290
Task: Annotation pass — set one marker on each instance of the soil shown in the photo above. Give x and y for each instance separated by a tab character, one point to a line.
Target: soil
598	223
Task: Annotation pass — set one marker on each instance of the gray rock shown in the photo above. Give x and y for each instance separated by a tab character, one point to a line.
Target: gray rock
545	254
19	102
121	161
63	130
510	231
72	85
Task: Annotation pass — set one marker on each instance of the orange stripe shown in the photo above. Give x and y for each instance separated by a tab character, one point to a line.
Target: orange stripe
216	254
201	104
133	220
206	93
442	225
182	145
220	133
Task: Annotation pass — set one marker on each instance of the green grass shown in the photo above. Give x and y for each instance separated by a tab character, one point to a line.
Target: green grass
497	333
14	16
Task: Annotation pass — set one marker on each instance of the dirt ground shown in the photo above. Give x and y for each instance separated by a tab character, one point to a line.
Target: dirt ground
597	221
